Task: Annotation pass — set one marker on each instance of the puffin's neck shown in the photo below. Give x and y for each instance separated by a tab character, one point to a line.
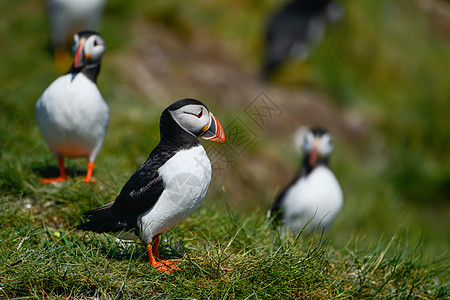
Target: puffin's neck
306	168
173	135
90	71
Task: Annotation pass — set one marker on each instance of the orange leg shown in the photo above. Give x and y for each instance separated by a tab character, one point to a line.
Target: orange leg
156	247
156	262
62	173
90	169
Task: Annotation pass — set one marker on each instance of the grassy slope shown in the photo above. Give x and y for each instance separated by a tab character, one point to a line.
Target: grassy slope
228	253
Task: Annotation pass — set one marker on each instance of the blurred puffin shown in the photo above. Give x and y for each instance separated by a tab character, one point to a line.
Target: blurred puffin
295	28
68	17
168	186
71	113
314	198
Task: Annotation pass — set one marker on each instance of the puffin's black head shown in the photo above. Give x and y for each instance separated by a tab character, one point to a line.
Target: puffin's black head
310	5
88	49
317	145
190	118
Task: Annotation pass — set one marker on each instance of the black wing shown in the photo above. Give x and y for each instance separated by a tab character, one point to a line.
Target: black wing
276	213
138	195
140	192
145	186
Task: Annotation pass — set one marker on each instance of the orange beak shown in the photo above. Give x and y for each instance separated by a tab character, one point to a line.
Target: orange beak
314	154
78	57
214	131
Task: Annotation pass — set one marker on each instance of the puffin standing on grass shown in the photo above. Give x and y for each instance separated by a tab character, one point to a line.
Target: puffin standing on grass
168	186
71	113
314	198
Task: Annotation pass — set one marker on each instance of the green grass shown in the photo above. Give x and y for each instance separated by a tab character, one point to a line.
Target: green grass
390	241
238	258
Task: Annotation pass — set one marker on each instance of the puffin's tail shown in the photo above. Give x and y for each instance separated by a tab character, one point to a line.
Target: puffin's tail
98	210
104	219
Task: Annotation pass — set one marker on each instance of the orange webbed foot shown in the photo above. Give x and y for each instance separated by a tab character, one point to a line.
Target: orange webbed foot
62	173
56	179
87	180
167	265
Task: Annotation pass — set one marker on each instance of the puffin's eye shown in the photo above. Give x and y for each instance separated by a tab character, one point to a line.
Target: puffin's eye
200	114
95	43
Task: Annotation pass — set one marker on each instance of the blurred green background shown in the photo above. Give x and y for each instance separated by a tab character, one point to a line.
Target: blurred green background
379	82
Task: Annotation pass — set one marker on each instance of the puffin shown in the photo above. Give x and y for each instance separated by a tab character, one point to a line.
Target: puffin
67	17
168	187
314	198
294	29
71	113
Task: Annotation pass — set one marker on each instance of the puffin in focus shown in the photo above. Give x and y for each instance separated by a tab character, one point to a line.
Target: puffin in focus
71	113
68	17
314	198
168	187
294	29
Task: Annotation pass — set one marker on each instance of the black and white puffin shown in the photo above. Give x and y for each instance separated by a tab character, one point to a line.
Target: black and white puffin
168	186
68	17
314	198
71	113
295	28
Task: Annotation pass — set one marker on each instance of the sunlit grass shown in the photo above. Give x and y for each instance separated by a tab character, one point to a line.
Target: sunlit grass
238	258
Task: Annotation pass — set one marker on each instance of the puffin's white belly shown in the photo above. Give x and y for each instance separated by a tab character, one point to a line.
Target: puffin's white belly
186	177
316	199
73	117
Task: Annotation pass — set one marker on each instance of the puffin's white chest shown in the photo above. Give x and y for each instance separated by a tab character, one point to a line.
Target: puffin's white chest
316	198
186	177
72	116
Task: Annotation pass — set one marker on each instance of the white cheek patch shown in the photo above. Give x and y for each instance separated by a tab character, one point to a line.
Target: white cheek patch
95	52
180	120
308	142
189	121
326	145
